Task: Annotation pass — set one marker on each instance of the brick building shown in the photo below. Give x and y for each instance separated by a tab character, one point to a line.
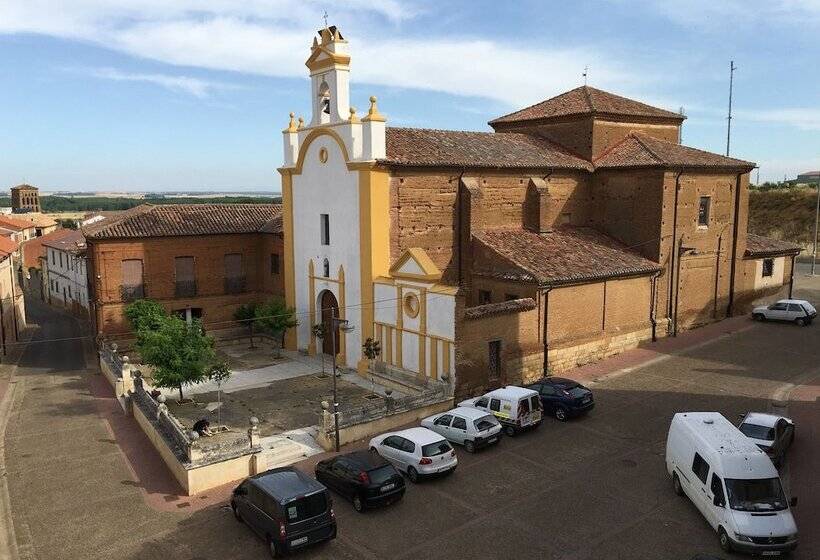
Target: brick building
198	260
25	198
576	229
12	302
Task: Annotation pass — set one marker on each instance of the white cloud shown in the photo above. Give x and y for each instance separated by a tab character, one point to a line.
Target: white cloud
718	14
802	118
185	84
273	38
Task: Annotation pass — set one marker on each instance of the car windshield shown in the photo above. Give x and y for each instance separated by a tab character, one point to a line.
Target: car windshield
433	449
306	507
381	474
485	423
764	494
757	432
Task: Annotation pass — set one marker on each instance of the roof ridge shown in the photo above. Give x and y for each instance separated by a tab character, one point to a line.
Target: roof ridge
652	153
611	149
589	99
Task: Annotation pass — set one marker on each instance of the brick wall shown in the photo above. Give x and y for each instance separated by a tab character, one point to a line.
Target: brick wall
158	256
575	134
606	133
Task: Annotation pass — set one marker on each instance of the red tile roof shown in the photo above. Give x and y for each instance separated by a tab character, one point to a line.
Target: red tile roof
7	246
758	246
455	148
641	150
33	249
500	308
72	241
564	256
587	100
14	223
171	220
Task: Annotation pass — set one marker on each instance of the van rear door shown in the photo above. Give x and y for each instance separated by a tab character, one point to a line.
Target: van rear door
308	519
529	410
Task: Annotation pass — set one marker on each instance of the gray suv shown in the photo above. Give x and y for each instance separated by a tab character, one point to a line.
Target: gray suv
285	507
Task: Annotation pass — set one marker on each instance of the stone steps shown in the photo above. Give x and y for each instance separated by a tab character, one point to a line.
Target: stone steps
281	451
398	381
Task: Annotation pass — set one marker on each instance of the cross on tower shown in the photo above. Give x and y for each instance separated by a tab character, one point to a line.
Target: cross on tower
586	71
324	16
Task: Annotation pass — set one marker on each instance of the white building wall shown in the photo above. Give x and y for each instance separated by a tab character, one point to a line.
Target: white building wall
66	278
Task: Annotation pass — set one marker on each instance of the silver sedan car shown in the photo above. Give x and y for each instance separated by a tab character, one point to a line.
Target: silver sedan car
467	426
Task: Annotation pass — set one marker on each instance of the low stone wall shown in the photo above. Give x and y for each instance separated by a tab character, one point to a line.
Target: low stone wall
566	358
388	414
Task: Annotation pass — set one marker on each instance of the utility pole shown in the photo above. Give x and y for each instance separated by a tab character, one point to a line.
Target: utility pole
732	69
816	219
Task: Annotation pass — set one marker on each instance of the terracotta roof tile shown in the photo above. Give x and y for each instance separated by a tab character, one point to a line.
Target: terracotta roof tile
33	249
566	255
14	223
587	100
72	241
641	150
500	308
759	246
166	220
451	148
7	246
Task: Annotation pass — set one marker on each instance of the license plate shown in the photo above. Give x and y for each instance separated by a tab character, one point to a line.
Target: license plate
770	553
388	487
297	542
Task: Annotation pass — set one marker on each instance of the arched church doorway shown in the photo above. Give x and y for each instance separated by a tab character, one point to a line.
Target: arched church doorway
330	308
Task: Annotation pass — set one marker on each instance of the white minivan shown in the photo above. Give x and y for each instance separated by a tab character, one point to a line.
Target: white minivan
732	482
517	408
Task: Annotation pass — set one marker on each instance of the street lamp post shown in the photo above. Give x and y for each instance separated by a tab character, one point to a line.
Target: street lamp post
816	219
344	326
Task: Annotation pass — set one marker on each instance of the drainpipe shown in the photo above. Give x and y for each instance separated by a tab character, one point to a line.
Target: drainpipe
791	276
546	340
653	292
459	221
671	266
734	248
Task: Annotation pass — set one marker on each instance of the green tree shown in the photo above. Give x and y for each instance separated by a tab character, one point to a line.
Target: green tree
179	352
246	315
219	373
371	349
275	318
145	315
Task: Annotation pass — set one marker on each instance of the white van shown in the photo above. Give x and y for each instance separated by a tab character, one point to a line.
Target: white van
517	408
732	482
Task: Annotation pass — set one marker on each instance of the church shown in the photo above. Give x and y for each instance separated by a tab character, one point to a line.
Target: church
578	228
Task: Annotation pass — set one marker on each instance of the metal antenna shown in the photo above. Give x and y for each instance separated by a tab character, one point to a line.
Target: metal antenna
586	71
732	69
324	16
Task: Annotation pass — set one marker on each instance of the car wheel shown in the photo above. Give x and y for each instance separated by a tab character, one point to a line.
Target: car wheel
800	321
412	474
509	430
469	446
725	543
273	550
676	485
758	317
561	413
358	505
236	514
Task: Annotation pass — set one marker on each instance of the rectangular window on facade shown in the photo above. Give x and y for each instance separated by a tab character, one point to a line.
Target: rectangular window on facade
184	276
53	258
61	260
132	280
324	227
484	297
703	210
234	276
768	267
274	263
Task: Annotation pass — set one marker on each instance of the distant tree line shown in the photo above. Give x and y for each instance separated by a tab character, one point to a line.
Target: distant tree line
781	185
95	203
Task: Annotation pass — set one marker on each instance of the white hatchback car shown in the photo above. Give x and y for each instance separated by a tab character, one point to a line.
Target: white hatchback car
796	311
466	426
418	452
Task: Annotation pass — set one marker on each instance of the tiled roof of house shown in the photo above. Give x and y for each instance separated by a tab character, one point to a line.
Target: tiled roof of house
454	148
564	256
14	223
500	308
587	100
169	220
759	246
33	249
7	246
72	241
39	220
641	150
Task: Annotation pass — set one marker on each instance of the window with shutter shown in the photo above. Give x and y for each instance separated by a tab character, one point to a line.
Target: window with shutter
132	280
185	276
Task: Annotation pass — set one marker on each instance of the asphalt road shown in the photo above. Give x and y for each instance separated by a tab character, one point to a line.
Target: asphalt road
593	488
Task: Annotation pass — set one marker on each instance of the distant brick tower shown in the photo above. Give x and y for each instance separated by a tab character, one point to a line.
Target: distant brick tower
25	198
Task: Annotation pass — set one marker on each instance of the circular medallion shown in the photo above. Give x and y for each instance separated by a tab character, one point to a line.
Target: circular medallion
411	305
323	155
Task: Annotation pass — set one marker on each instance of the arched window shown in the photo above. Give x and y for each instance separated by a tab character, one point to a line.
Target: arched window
326	268
324	97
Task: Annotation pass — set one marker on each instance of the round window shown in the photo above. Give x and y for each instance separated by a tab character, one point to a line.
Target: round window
323	155
411	305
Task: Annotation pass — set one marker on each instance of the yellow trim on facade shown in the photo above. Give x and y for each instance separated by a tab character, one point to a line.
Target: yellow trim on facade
443	289
374	243
399	327
373	113
431	272
422	295
445	355
305	144
290	270
434	358
342	315
312	315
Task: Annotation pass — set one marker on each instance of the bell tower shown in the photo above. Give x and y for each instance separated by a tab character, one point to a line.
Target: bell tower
329	65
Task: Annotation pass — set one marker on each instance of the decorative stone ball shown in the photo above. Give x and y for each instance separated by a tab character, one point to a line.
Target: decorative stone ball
113	346
325	405
125	359
194	435
161	399
254	421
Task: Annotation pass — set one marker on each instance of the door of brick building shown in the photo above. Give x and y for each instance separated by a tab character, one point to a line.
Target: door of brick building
329	306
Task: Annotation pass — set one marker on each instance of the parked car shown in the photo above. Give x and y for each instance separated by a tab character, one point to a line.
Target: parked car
772	433
419	452
467	426
563	398
732	482
285	507
797	311
363	477
516	408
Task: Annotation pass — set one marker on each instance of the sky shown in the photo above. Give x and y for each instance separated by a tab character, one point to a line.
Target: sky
148	95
